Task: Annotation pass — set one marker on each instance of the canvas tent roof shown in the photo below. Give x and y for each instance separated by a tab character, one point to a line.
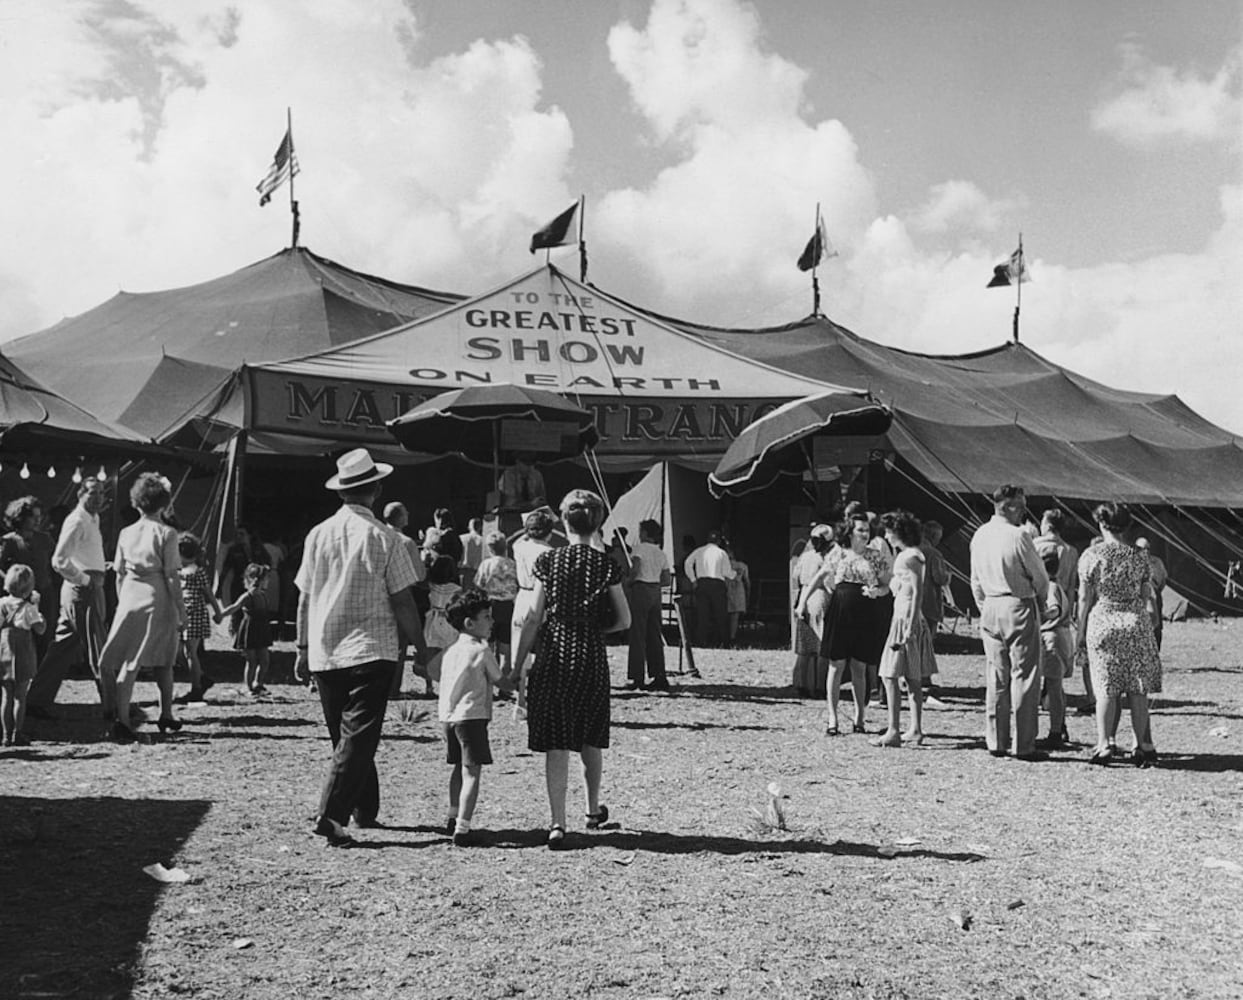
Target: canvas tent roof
37	421
969	422
286	305
656	390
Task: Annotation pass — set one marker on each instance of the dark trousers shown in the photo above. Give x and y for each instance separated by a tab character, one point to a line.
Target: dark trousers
354	700
711	612
79	636
646	642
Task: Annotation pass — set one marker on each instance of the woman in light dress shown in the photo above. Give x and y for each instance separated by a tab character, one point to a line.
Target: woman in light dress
150	612
810	672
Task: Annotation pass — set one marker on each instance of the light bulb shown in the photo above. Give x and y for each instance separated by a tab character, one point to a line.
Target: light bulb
25	473
51	472
103	473
77	474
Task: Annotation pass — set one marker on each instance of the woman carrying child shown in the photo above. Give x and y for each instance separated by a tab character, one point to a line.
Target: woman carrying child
20	621
198	596
254	626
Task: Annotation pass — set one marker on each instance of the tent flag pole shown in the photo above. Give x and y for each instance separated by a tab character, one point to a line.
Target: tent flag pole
815	280
582	242
1018	289
293	203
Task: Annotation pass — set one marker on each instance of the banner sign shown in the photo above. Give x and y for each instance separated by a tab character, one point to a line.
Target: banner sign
355	411
548	331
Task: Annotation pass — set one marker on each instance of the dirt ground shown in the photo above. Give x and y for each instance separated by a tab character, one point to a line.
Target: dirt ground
932	872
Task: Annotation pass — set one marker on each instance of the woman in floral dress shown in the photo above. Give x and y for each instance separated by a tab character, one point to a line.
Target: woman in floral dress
578	597
1115	626
855	624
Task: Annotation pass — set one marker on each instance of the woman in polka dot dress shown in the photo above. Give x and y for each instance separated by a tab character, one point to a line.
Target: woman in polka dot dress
578	597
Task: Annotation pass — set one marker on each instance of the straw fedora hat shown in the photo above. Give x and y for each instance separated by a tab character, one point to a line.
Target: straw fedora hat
356	468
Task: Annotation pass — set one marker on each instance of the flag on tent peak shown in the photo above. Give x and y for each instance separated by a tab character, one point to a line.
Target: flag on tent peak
284	167
818	248
1012	272
558	233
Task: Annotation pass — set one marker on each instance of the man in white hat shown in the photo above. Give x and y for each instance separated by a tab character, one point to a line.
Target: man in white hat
355	612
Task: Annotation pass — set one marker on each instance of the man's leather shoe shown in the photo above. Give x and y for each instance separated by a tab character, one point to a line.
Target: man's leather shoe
1033	757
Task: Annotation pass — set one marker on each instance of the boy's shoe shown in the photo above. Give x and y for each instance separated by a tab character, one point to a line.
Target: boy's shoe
193	695
467	839
661	685
333	832
1054	741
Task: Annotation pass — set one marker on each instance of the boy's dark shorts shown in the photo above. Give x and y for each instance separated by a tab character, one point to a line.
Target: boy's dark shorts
467	742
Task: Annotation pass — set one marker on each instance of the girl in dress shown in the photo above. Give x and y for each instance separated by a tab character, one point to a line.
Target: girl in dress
197	593
908	647
20	621
254	630
442	579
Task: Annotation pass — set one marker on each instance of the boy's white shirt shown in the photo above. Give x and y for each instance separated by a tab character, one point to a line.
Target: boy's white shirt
28	614
468	670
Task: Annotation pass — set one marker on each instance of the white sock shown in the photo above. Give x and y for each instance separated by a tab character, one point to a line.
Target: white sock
463	825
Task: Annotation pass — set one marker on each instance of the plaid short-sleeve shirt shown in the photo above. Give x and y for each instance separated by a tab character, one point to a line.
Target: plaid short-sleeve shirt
351	563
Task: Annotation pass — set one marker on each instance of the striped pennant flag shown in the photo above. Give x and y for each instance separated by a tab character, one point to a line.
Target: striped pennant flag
284	166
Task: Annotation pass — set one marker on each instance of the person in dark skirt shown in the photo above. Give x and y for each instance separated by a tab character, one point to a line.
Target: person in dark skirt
856	620
578	598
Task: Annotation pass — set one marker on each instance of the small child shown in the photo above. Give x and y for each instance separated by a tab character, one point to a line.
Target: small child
19	618
254	632
197	593
1056	653
468	670
438	632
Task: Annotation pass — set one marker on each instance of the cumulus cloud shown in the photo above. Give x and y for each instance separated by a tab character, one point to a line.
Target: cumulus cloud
961	205
1151	103
745	170
432	172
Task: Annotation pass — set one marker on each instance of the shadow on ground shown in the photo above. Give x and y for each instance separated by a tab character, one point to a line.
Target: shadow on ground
77	903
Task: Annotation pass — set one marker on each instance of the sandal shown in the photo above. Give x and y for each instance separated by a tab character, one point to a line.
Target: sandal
598	818
1101	755
556	838
832	731
858	728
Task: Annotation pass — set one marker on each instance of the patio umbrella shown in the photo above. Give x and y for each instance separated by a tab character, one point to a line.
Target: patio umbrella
777	444
480	420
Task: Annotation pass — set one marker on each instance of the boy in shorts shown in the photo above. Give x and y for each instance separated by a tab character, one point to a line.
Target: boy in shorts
1056	654
468	672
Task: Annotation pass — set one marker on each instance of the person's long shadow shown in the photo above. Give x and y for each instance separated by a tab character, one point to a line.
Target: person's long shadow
73	864
262	721
1207	763
635	724
657	842
740	692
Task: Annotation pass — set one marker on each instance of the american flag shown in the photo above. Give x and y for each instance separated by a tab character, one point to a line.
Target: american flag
284	166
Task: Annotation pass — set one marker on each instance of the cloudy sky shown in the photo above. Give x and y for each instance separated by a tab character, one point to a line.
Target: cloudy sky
435	136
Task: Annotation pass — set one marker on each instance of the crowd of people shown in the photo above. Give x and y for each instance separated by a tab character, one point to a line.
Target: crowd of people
868	596
525	616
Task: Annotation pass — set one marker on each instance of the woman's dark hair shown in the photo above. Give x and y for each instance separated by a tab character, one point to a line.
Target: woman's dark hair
822	543
539	524
18	510
582	511
1051	562
847	527
443	517
1054	518
1114	517
149	494
442	570
189	546
905	526
466	604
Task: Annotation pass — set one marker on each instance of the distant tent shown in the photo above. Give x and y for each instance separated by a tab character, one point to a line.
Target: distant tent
963	424
148	357
36	422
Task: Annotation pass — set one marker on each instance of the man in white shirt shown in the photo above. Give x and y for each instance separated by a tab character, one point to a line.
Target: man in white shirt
79	559
708	567
1009	583
650	573
355	612
472	550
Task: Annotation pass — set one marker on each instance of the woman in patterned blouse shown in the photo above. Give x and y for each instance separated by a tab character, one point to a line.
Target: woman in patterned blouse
853	634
